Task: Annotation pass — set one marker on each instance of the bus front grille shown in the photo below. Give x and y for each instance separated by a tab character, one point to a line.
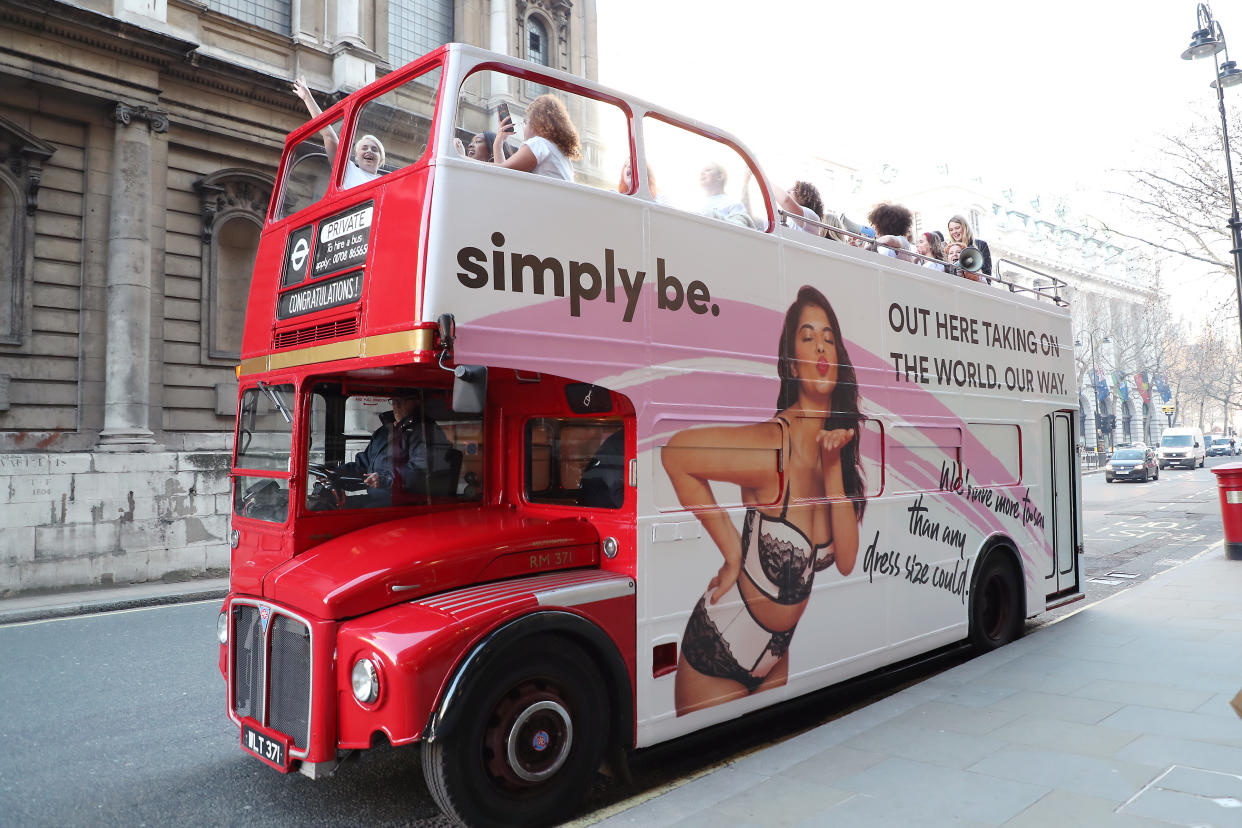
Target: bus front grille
272	671
295	337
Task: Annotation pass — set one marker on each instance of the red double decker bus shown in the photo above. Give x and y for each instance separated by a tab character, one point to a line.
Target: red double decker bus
534	470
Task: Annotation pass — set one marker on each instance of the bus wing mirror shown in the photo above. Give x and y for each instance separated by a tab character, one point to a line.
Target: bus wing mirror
469	388
448	329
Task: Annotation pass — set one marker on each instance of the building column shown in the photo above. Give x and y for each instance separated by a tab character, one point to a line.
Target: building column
127	372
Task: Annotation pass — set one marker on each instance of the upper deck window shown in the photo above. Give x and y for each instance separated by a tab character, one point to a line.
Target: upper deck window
392	131
702	175
308	169
600	129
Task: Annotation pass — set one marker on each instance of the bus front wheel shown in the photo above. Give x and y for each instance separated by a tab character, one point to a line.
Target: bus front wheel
530	744
996	604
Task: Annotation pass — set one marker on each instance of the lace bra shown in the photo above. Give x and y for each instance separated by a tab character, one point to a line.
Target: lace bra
779	558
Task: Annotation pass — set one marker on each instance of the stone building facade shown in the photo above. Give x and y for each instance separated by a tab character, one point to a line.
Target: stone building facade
139	142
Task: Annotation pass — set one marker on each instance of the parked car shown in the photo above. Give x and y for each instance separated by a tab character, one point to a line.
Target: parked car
1132	464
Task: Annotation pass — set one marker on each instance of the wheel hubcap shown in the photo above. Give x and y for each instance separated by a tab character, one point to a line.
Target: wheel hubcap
529	736
539	741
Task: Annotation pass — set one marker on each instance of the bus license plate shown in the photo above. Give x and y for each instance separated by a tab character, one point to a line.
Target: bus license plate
272	748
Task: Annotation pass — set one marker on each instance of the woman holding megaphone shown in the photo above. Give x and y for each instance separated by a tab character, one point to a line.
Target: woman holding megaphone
959	233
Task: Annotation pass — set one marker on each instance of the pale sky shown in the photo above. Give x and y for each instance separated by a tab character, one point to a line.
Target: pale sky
1046	97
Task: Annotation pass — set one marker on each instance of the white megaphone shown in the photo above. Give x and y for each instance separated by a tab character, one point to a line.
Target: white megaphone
970	260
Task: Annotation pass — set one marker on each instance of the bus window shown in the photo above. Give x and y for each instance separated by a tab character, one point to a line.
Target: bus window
573	462
995	461
920	455
392	131
399	446
702	175
307	174
603	128
264	441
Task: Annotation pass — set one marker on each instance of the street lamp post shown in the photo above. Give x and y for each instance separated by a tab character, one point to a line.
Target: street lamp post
1209	39
1100	419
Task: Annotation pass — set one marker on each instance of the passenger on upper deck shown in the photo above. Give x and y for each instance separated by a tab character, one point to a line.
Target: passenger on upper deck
368	154
804	200
713	179
552	140
625	183
960	232
928	244
892	224
480	148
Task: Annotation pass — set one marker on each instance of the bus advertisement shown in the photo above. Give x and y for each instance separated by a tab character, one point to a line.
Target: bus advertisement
537	466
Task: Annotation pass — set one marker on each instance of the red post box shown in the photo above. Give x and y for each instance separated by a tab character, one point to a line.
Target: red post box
1229	481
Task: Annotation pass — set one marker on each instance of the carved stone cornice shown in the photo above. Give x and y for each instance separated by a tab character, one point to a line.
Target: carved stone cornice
232	189
24	155
124	114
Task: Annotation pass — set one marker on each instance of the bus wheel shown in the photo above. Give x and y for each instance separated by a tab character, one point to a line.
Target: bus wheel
531	743
996	604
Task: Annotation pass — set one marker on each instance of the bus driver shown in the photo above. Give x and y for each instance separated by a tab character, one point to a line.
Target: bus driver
403	455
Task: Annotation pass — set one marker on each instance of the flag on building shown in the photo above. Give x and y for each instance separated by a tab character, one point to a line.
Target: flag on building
1144	390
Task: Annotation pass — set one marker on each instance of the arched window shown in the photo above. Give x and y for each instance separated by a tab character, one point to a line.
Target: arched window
537	47
538	50
236	243
234	202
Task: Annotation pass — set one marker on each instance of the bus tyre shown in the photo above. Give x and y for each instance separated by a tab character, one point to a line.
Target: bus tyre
531	742
996	604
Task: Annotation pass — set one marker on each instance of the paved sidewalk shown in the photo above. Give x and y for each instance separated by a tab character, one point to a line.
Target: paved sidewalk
1117	715
109	599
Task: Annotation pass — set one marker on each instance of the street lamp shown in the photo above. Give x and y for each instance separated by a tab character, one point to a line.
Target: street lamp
1095	366
1209	40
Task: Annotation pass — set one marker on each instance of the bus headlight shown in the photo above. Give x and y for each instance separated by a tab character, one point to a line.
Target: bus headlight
365	679
222	628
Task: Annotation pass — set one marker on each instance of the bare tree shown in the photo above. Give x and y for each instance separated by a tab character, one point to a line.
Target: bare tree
1184	198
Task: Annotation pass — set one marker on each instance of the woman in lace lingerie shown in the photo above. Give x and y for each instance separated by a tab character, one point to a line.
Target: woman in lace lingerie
796	524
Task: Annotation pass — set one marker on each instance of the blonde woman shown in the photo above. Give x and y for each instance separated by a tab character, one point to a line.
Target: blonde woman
368	153
551	145
959	232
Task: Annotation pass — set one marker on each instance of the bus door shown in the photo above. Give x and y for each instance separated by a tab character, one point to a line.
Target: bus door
1062	576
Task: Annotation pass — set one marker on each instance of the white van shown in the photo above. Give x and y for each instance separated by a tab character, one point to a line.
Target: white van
1182	446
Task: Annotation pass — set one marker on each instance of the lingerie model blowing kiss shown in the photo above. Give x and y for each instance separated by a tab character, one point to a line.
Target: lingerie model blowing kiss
796	524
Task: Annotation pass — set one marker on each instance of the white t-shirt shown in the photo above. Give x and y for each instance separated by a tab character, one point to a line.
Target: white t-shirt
807	212
549	160
933	264
355	175
722	204
893	251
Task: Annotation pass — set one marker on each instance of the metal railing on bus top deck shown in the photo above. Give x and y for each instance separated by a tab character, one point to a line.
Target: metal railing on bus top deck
1050	291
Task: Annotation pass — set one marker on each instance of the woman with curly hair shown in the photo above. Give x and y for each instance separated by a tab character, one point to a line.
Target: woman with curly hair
802	199
892	224
802	515
552	140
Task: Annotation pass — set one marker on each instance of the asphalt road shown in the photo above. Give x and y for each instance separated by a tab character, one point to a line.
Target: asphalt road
118	719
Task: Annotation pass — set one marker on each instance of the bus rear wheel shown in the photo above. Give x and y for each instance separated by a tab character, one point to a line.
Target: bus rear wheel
530	743
996	604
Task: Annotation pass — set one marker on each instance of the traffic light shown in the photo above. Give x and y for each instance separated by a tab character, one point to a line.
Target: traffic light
1110	422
